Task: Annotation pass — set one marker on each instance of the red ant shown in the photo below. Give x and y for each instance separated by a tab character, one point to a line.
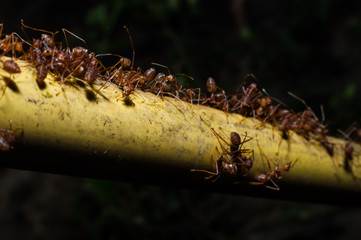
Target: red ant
7	138
349	149
122	77
162	81
352	132
228	160
216	99
273	175
245	101
37	56
10	43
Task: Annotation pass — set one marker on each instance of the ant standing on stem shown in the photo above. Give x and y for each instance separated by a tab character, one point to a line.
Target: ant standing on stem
274	175
229	159
348	148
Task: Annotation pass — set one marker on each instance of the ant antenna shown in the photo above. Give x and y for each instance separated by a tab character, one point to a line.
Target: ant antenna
35	29
273	98
14	33
131	42
345	136
304	103
246	78
322	114
179	74
66	40
160	65
183	74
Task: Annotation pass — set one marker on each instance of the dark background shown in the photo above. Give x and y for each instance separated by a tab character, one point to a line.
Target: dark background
311	48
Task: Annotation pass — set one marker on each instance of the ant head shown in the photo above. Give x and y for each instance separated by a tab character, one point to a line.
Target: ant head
170	78
79	50
287	167
125	62
231	169
261	177
47	40
160	77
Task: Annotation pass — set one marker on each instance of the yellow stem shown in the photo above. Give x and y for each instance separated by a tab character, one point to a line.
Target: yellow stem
158	140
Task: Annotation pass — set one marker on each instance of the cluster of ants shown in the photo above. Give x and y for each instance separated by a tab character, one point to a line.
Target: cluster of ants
46	55
253	101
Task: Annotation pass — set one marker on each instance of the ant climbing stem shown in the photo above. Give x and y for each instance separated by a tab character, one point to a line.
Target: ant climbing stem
229	160
274	174
131	42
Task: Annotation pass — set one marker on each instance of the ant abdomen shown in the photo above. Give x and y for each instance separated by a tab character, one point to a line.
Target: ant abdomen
149	74
211	85
235	139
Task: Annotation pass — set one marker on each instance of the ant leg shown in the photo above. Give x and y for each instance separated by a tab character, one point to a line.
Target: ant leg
216	173
304	103
217	135
256	183
131	41
274	187
171	94
264	155
201	170
245	140
279	146
146	105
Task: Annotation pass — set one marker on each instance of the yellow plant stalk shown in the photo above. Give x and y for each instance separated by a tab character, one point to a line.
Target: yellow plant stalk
72	129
